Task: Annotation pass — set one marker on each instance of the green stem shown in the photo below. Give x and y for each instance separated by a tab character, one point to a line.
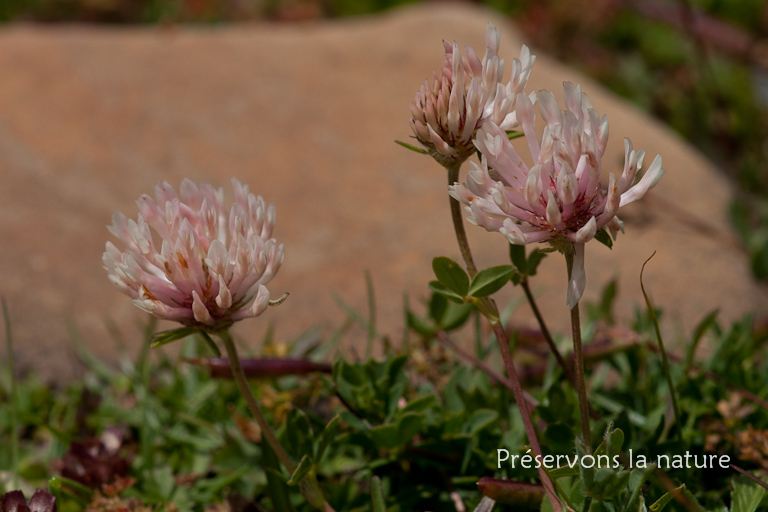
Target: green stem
545	331
443	338
309	486
578	354
551	342
488	308
253	406
458	223
522	404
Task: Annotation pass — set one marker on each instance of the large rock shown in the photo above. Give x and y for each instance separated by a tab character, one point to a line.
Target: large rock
306	114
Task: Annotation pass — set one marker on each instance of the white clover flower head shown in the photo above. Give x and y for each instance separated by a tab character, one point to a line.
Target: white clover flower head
559	199
447	113
212	265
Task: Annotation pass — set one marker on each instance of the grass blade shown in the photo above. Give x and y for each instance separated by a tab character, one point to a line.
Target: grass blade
664	359
698	334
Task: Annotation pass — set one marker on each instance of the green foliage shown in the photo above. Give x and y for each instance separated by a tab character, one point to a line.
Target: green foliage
451	275
526	265
604	238
454	284
411	428
747	495
441	315
490	280
377	495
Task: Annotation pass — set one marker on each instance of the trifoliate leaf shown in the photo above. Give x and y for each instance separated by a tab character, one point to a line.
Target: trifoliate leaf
451	275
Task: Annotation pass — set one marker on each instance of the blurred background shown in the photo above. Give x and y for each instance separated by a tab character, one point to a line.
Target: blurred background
700	66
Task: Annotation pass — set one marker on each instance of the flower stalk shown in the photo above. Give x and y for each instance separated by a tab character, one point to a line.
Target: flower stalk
522	404
578	354
458	223
309	486
487	306
253	405
545	332
559	199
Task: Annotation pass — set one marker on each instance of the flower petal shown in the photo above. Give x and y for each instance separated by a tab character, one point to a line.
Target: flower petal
587	231
649	180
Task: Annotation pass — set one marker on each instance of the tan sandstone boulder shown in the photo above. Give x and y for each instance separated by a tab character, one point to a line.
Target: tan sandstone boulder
91	117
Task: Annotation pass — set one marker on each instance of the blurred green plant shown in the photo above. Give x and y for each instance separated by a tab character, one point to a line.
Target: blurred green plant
425	424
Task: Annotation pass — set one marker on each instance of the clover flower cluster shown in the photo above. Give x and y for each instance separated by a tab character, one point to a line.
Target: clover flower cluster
559	199
447	113
211	267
